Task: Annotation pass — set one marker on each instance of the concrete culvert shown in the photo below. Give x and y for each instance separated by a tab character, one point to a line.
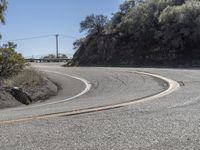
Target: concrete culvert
21	96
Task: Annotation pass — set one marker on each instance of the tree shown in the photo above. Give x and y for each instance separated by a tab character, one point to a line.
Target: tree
181	30
93	23
144	32
53	57
3	7
11	62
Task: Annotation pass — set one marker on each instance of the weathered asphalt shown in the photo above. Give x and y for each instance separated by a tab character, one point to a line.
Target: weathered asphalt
170	122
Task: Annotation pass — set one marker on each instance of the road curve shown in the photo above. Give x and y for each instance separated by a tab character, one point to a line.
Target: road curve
160	86
173	85
167	122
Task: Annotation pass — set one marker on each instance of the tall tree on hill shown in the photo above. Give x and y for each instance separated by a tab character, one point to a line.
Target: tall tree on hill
93	23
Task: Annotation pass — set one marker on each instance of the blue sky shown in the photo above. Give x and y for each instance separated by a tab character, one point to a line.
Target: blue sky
32	18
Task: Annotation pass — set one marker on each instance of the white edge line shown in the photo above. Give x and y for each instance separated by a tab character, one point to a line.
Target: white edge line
173	85
87	88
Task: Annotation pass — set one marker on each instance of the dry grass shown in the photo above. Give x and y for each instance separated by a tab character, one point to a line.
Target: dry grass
27	78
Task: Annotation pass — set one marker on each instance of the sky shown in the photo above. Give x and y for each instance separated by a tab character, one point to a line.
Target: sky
35	18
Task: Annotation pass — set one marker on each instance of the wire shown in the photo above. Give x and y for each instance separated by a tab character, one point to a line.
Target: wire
39	37
29	38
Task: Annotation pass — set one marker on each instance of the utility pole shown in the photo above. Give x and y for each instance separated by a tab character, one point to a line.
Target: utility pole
57	45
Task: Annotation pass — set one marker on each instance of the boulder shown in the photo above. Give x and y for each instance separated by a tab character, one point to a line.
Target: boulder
21	96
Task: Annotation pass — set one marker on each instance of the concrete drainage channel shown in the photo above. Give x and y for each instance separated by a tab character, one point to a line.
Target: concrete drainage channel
173	86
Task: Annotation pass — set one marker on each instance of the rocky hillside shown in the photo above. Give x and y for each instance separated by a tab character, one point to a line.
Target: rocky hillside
153	32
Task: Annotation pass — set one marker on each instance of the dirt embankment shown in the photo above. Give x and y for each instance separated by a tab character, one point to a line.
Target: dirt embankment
28	87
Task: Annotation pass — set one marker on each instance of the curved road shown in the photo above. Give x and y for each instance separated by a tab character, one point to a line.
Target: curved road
165	122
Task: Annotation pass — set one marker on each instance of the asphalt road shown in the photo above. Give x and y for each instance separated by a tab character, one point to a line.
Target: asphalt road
169	122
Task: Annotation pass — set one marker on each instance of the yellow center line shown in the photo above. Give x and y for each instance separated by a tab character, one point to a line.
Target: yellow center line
173	85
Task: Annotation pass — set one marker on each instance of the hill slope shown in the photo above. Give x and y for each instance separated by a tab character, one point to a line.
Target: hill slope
153	32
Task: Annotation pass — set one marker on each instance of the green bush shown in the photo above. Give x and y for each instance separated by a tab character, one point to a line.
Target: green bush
11	62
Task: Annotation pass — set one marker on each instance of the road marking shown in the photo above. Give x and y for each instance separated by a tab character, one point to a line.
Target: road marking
173	86
87	88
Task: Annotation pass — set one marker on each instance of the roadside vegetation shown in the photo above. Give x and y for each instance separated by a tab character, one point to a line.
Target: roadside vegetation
11	62
34	83
18	82
28	86
28	77
142	32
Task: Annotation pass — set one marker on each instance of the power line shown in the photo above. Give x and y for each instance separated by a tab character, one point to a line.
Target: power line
37	37
43	36
28	38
